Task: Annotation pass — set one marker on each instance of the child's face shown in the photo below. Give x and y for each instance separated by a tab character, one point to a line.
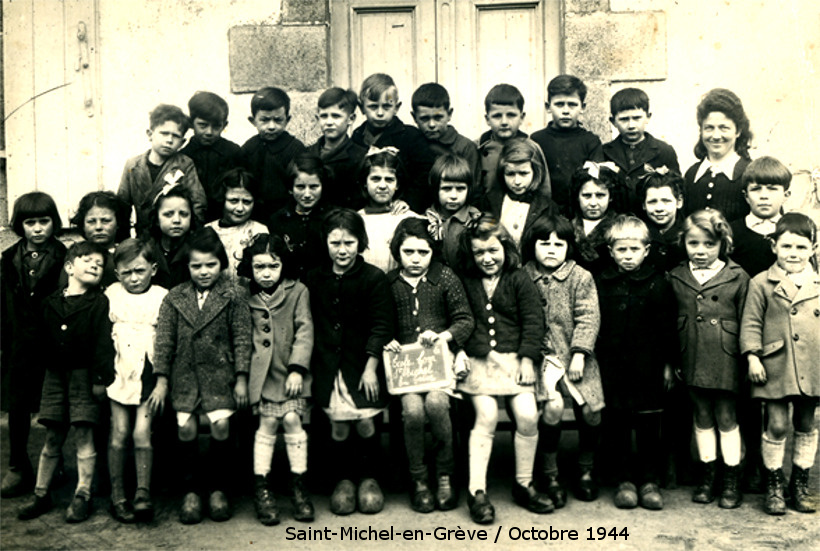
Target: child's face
518	177
628	254
86	269
661	206
343	248
334	121
36	231
765	201
100	226
174	216
381	185
593	200
238	206
504	120
551	252
166	139
380	112
488	255
452	196
432	121
415	255
135	275
307	190
565	109
207	132
701	248
267	269
631	124
204	268
718	134
270	123
793	252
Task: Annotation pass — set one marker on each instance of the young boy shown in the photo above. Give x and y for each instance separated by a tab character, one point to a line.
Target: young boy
268	154
432	113
340	155
78	354
504	113
211	153
661	197
635	148
145	175
566	144
379	101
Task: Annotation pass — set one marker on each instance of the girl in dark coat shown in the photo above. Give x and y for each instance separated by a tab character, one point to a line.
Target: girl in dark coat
172	222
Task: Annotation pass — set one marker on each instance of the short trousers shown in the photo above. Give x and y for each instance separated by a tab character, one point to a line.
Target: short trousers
67	398
278	410
213	416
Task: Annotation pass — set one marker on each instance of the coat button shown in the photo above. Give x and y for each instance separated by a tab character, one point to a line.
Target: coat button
415	312
713	322
816	313
715	298
794	311
491	319
337	326
489	306
31	272
35	255
699	318
492	332
64	327
700	297
418	329
796	338
266	343
265	315
708	196
266	328
493	343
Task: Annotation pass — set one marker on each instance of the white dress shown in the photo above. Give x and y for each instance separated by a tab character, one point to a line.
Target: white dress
380	228
235	239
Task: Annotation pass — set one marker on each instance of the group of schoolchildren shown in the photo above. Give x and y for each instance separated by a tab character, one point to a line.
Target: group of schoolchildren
555	269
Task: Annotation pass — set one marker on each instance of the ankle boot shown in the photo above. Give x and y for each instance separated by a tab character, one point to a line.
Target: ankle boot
800	496
703	492
730	497
263	501
302	506
421	498
775	503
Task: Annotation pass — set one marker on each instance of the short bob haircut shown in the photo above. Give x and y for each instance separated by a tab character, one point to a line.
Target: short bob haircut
541	229
607	179
672	179
206	240
177	191
35	204
724	101
627	226
345	219
133	248
452	168
104	200
516	151
432	95
236	178
411	227
798	224
163	113
263	243
714	224
307	163
83	248
767	171
374	86
485	227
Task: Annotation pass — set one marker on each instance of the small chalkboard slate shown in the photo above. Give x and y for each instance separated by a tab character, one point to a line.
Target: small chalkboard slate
418	368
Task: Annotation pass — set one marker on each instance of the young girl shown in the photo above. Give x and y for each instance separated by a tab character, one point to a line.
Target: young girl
235	228
661	196
279	385
453	177
499	360
203	352
595	193
516	205
570	304
353	321
29	271
431	306
710	289
779	335
171	224
381	216
133	309
715	181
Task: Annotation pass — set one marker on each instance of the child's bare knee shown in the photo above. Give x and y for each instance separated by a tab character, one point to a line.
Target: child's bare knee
268	425
553	411
366	428
188	431
118	436
292	422
591	418
84	439
220	429
340	431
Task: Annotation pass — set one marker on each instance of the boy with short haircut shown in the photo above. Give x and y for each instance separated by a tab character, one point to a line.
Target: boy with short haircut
432	113
379	101
566	144
634	149
211	153
341	156
145	175
504	113
268	154
78	354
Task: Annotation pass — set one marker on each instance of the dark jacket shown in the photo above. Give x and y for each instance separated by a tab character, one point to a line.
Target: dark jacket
268	162
452	142
724	194
303	235
353	319
172	268
343	187
211	161
592	251
493	201
665	250
750	249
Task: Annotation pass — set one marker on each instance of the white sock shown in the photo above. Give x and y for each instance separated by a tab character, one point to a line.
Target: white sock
707	443
730	446
524	457
263	446
480	448
772	452
296	446
805	447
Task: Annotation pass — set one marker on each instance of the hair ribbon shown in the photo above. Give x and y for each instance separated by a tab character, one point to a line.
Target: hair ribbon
594	169
390	150
649	170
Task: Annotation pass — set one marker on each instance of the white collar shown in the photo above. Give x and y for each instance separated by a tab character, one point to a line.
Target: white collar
763	226
726	165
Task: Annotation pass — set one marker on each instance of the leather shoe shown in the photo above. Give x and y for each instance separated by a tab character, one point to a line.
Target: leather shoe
218	506
191	511
122	512
421	498
529	498
650	497
481	510
79	509
143	507
371	498
446	496
556	492
38	506
343	499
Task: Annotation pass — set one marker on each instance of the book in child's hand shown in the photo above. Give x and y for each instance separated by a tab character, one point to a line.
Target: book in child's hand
419	368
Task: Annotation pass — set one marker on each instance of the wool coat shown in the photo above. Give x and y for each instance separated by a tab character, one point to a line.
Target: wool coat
20	310
303	236
781	325
353	319
570	303
282	341
201	352
172	268
592	251
709	325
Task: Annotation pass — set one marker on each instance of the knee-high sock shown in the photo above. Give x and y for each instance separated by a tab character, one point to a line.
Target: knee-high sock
772	452
706	440
144	458
220	464
524	457
805	448
45	471
116	470
730	446
85	473
189	464
370	458
296	446
589	437
263	446
480	448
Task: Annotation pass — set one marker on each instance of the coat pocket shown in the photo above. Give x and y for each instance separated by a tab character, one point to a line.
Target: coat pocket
729	337
772	347
682	332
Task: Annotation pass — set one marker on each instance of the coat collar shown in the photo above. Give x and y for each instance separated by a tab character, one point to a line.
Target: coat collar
433	273
487	139
616	150
220	147
255	302
183	298
785	287
730	272
641	274
342	152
